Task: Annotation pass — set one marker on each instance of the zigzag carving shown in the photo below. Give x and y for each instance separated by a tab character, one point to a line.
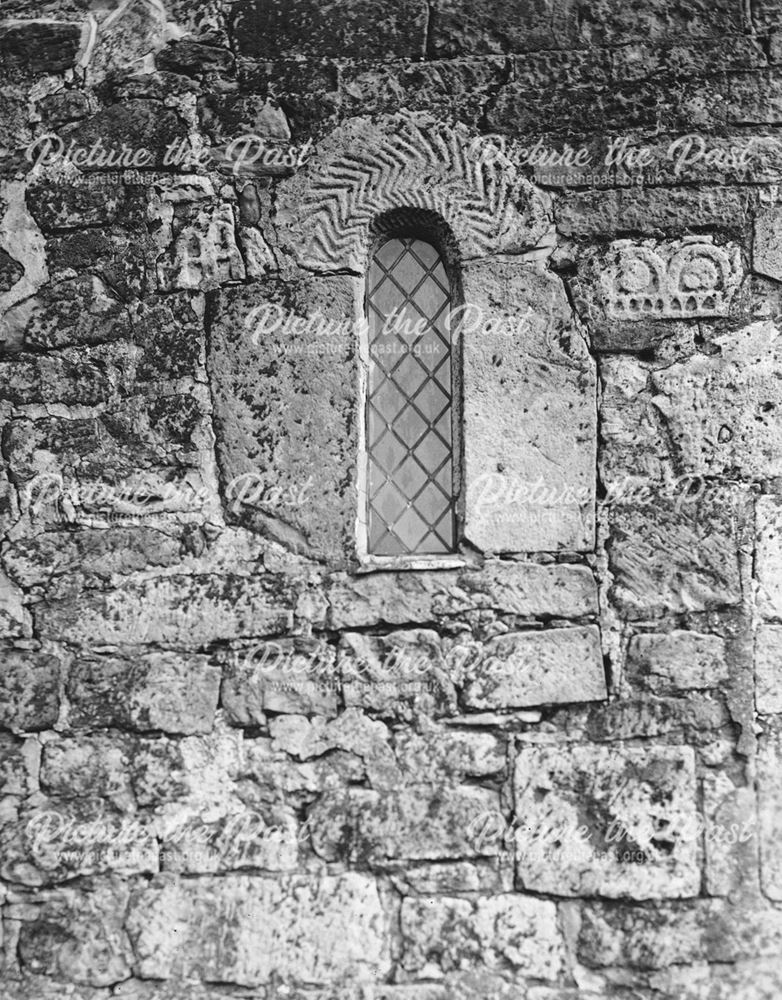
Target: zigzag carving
409	163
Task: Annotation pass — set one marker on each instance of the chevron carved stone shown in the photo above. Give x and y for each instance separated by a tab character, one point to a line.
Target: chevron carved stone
367	168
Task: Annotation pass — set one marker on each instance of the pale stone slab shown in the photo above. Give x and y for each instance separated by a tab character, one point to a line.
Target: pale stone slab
518	930
607	820
767	243
676	934
422	822
770	811
768	669
677	661
140	690
530	433
724	412
280	676
523	669
520	588
78	936
189	611
399	674
251	930
675	557
768	556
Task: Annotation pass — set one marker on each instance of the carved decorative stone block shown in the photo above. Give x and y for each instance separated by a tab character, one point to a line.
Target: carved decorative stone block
670	281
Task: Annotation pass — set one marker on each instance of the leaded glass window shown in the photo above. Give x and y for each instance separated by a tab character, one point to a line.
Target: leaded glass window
409	413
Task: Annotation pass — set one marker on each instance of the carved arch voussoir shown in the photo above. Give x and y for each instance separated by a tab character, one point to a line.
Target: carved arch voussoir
366	168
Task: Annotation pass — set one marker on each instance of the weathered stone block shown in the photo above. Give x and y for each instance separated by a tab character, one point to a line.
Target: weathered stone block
769	770
19	763
38	46
767	244
466	29
250	930
204	253
127	447
281	676
419	822
678	556
72	311
696	719
444	877
146	127
57	840
78	935
29	689
754	979
280	359
456	89
590	214
731	835
768	669
143	691
755	98
768	556
723	414
89	766
438	754
676	934
364	29
523	669
665	663
94	554
519	931
186	611
402	673
607	820
529	415
529	589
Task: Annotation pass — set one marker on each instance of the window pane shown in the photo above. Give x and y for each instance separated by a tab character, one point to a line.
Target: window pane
409	412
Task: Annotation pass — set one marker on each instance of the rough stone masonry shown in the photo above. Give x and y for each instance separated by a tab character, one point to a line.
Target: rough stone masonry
238	759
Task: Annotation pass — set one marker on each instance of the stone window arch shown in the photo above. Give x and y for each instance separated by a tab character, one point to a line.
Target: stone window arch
526	393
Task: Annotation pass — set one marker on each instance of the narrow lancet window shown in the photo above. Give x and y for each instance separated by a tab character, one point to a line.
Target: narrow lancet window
409	411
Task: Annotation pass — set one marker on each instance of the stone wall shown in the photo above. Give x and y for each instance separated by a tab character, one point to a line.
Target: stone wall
233	761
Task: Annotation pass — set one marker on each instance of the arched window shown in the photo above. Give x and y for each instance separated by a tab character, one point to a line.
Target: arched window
410	415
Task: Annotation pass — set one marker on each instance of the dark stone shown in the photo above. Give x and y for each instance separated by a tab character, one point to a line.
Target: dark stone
274	29
29	698
194	58
10	271
36	47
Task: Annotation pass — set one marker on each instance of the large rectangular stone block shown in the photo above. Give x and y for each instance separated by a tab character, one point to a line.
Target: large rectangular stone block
518	930
522	669
607	821
679	555
768	669
78	937
666	663
419	822
187	611
519	588
29	689
769	766
144	691
768	557
530	432
251	931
